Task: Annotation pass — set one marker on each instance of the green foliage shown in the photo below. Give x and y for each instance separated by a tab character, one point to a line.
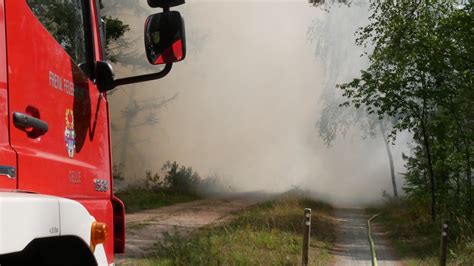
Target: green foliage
117	173
178	184
331	42
327	4
114	31
175	179
64	19
421	73
153	181
65	22
417	239
181	179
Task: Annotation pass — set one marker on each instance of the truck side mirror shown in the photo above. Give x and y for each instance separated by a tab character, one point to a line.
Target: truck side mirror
165	40
165	3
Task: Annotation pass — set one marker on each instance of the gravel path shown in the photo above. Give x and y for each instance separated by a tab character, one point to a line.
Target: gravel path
352	247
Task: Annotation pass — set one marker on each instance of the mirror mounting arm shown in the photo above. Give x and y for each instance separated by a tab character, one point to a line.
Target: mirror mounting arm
142	78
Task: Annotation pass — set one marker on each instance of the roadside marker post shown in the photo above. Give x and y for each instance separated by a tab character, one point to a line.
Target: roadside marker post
306	235
444	244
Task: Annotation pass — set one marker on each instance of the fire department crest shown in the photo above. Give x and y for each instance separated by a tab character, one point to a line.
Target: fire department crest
70	134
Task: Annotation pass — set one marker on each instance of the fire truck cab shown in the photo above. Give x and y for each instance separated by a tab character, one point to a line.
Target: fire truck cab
56	199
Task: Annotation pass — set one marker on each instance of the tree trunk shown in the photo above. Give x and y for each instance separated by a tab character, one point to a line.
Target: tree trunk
430	170
458	189
467	156
126	132
468	178
390	160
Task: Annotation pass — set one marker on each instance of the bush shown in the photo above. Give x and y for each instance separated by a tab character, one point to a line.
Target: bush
417	238
173	179
180	179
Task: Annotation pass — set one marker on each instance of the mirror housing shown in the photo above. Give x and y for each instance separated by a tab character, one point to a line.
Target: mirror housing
165	43
105	77
165	3
165	40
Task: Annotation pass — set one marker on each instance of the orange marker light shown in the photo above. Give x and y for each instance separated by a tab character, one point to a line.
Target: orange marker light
99	232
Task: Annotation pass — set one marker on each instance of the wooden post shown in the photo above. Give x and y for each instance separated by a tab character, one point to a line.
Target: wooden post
306	235
444	244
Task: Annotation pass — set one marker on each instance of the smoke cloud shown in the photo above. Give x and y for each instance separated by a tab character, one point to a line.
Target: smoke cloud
247	100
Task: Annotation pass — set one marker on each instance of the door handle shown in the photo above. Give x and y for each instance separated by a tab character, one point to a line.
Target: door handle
25	122
8	171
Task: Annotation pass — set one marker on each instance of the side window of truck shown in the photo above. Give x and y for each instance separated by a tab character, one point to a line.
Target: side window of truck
65	19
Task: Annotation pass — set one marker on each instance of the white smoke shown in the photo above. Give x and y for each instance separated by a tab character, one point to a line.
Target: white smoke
249	96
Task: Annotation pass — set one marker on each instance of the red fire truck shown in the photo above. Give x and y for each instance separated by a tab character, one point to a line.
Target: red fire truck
57	205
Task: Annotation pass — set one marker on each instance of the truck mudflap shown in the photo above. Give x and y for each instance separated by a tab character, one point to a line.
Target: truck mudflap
25	217
119	225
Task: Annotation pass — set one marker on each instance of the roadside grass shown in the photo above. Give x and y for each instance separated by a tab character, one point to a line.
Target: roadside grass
416	239
266	234
137	199
173	184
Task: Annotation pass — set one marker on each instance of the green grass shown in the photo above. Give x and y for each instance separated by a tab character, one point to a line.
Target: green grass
137	199
267	234
416	239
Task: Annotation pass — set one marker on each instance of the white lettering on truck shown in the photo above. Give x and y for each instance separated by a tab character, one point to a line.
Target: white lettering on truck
61	84
55	81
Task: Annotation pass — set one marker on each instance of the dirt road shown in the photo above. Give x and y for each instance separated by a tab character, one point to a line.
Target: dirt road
352	247
145	228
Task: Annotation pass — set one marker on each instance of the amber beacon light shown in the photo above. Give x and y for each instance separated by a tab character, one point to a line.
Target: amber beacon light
99	232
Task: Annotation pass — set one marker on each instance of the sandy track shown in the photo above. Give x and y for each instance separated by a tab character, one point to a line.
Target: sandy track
352	247
145	228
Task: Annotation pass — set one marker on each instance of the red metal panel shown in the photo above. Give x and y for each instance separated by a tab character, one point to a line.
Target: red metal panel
46	83
7	155
110	209
117	227
102	211
95	31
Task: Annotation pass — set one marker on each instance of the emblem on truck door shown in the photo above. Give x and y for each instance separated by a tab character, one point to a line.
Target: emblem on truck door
70	134
101	185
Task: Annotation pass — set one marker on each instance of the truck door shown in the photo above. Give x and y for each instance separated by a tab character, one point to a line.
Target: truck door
59	125
58	118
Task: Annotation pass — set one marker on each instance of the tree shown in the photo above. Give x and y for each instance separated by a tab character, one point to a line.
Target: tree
115	29
335	50
137	114
420	71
